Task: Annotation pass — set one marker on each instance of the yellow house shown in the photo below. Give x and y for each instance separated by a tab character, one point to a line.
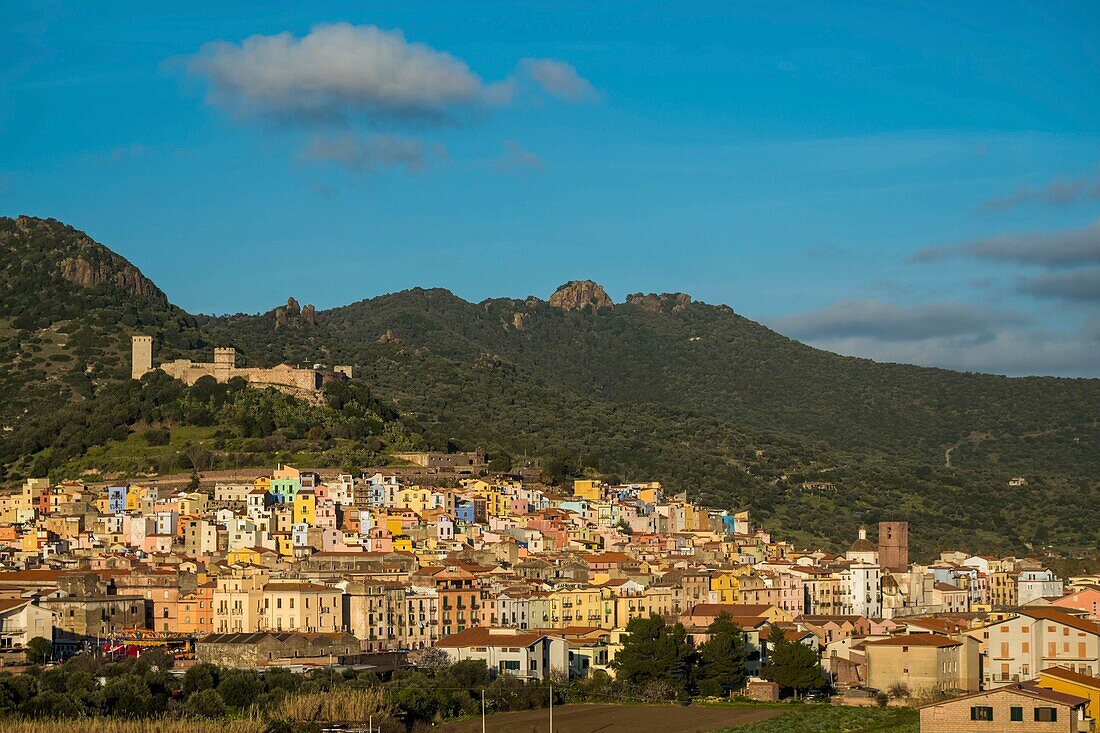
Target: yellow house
394	524
402	543
727	585
478	486
245	556
419	499
587	489
581	607
1061	679
497	503
305	508
191	503
284	545
263	482
134	495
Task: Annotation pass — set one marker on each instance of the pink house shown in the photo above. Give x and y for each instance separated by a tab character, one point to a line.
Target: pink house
1087	599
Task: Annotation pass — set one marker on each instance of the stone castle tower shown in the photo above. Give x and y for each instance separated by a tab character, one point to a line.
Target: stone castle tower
141	356
893	545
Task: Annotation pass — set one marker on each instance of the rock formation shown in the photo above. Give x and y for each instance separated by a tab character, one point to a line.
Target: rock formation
579	295
84	274
674	302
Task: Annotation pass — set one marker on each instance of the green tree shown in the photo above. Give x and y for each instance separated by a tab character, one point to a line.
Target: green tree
722	658
656	655
202	676
792	665
128	696
39	650
205	704
238	688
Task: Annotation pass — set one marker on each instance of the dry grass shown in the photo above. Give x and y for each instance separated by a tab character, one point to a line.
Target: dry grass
123	725
340	704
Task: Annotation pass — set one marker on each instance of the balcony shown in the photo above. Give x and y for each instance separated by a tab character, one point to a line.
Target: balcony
1002	679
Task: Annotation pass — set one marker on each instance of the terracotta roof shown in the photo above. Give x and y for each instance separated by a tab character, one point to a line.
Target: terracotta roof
487	636
1026	689
733	609
936	640
1070	676
1060	616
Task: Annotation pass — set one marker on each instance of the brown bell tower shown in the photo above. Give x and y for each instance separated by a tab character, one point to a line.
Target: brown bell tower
893	546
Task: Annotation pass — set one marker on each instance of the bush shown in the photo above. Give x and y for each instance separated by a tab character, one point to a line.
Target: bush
157	436
205	704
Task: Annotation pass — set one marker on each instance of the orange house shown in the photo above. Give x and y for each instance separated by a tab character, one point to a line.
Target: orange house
195	614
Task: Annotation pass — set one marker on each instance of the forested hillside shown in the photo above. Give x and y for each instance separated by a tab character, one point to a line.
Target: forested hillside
656	387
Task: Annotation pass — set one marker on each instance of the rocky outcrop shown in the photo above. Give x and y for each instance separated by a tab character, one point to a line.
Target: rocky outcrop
517	321
578	295
294	314
667	302
128	279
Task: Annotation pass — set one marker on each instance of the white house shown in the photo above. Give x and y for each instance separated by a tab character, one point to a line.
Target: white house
522	654
21	621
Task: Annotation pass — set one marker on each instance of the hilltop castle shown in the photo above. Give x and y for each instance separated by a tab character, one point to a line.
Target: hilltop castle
285	378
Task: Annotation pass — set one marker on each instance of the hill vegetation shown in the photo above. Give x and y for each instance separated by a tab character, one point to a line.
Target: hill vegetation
656	387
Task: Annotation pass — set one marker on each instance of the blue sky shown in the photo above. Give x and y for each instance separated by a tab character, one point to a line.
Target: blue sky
909	182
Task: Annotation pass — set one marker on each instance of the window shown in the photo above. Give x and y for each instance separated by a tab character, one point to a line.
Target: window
1046	715
1016	714
981	712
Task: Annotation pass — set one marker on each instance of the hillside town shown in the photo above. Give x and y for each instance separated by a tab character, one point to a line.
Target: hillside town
300	569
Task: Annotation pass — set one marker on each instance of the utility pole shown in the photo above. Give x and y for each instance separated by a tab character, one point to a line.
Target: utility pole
483	710
551	708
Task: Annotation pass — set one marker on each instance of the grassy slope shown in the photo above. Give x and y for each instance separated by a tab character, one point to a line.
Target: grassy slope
695	396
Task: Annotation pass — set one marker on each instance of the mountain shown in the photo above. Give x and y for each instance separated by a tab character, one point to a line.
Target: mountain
661	387
68	307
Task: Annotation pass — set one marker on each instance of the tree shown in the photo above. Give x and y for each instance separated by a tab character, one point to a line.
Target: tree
39	650
434	660
722	658
655	652
791	665
202	676
238	688
204	704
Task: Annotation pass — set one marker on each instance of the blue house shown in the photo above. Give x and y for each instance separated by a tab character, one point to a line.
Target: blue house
116	499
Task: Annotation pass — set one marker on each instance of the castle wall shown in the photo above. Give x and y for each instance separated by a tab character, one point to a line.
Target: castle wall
285	378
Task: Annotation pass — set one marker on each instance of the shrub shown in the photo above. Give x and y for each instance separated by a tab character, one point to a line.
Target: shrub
205	704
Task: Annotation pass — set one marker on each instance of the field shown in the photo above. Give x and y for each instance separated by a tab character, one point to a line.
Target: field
567	719
593	718
835	719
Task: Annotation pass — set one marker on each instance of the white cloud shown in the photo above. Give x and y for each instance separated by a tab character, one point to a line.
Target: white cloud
560	80
341	71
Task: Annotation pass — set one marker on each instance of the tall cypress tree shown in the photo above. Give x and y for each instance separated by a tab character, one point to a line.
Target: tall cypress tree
656	652
791	665
722	658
